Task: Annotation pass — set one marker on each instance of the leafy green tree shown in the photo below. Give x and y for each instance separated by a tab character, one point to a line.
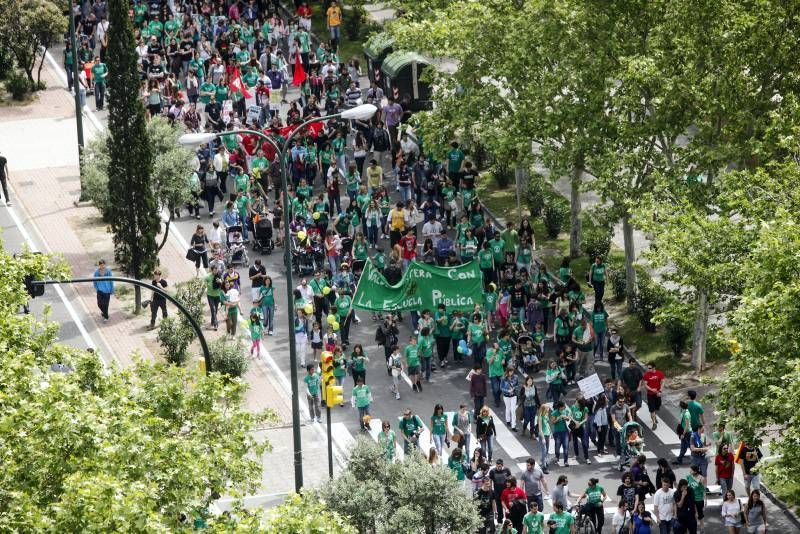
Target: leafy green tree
300	514
28	28
92	449
134	217
403	497
175	333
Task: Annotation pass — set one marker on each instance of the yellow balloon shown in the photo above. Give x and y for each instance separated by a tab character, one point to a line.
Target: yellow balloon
301	235
326	290
335	326
316	215
331	318
309	309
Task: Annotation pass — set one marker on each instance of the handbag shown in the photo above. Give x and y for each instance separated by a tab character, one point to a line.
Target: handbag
741	515
191	254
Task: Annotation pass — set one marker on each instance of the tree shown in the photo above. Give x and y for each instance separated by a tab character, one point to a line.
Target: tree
304	513
28	28
94	449
176	333
170	170
134	217
403	497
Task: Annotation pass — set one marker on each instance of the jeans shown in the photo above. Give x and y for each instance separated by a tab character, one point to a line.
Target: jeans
268	311
154	306
335	33
213	305
528	418
486	445
345	331
99	94
496	392
684	446
544	444
599	290
725	484
438	442
599	344
103	300
616	368
602	431
361	413
426	367
464	443
537	499
665	527
478	352
442	348
333	261
372	235
313	406
477	404
562	442
701	461
405	193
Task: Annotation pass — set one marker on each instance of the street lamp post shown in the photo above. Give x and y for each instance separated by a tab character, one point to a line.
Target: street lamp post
76	86
363	111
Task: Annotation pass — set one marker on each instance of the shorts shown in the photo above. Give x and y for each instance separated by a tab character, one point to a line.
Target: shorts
653	403
700	505
637	398
413	370
316	345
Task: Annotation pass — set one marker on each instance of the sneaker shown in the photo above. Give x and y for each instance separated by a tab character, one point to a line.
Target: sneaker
677	462
566	463
545	471
397	396
270	333
514	429
419	387
8	203
413	387
588	461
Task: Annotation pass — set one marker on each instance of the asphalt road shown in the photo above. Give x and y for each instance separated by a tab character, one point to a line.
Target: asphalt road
449	388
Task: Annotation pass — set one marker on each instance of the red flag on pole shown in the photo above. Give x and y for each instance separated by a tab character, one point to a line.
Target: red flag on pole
237	85
299	72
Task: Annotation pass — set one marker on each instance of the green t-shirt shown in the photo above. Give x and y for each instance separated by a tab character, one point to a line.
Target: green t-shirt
476	333
325	156
467	195
460	328
525	256
255	331
594	495
379	261
312	383
343	306
361	394
210	290
241	206
267	295
534	522
442	324
490	301
410	425
697	488
99	70
485	259
360	251
560	426
207	87
250	79
454	160
511	240
387	440
340	366
425	344
562	326
171	26
599	321
242	183
243	57
338	145
359	362
579	333
449	194
563	522
695	410
457	467
412	355
222	95
155	28
197	65
598	272
579	414
303	38
139	13
476	219
496	363
439	425
468	248
496	246
260	163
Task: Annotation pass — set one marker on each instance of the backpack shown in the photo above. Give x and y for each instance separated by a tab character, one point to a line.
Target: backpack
380	336
210	179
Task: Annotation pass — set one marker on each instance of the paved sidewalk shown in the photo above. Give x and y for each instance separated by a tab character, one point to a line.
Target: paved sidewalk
40	142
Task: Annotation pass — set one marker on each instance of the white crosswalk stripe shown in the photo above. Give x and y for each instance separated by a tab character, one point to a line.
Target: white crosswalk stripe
663	432
375	429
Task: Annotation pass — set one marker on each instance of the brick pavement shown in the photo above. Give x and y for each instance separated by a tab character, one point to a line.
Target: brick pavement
46	195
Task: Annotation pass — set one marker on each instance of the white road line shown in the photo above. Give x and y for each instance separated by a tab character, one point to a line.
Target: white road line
60	292
663	431
62	75
507	440
426	442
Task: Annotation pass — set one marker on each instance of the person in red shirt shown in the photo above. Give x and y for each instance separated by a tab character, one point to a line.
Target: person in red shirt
408	245
725	464
653	379
511	494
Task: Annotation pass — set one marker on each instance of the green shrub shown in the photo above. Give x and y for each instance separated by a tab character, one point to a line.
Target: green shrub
354	21
6	62
503	175
556	214
650	296
18	85
228	357
618	280
174	338
596	240
535	193
718	347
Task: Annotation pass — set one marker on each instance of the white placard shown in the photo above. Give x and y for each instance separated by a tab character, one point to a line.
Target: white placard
253	114
591	386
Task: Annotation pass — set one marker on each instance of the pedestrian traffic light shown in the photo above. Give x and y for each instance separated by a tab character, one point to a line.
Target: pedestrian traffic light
326	362
334	395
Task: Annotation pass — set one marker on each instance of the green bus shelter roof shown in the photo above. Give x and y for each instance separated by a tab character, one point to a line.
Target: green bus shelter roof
378	44
395	62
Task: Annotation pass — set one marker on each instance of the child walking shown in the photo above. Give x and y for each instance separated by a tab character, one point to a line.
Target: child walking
256	329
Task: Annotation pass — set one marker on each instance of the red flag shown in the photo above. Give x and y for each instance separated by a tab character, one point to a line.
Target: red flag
237	85
299	72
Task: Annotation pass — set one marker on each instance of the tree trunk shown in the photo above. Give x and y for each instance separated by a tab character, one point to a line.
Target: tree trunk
700	332
630	258
575	212
166	230
39	72
137	300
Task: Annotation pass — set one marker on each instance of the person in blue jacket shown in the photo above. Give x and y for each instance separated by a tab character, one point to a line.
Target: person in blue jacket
104	288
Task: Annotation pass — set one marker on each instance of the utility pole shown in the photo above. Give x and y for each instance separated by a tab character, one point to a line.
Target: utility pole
76	86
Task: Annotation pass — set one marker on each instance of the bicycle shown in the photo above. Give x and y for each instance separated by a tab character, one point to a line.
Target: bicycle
583	523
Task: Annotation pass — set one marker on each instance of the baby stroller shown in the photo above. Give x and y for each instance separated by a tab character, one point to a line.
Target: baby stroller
302	258
236	253
262	234
528	354
632	443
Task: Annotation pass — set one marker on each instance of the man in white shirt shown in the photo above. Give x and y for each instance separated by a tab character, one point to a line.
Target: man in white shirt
664	504
221	167
306	291
432	229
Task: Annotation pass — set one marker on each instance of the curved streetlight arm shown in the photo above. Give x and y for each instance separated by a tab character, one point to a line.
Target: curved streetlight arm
158	290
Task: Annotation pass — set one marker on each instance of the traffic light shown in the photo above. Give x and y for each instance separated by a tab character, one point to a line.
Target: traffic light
34	290
326	364
334	395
